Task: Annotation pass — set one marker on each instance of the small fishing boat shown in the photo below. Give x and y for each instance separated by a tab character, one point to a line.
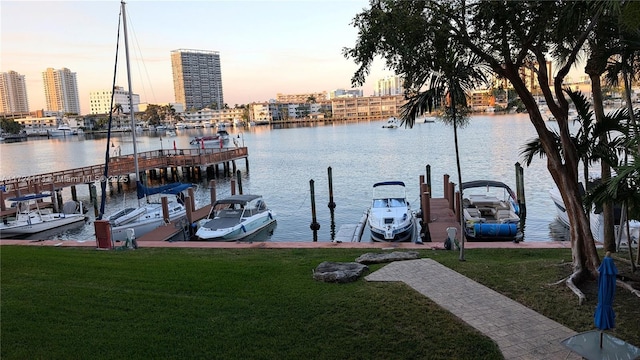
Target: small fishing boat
235	218
31	219
390	217
491	211
199	140
392	123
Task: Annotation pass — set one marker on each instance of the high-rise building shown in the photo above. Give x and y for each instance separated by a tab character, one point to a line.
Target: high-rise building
197	79
100	101
13	93
389	86
61	90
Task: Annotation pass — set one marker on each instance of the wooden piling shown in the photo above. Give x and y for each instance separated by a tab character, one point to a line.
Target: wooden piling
452	198
93	195
233	186
74	193
520	191
246	163
332	205
315	226
59	197
428	171
445	187
187	202
239	177
53	198
212	190
192	198
165	209
3	205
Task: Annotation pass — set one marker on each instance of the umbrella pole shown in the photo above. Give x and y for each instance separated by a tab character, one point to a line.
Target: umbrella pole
601	339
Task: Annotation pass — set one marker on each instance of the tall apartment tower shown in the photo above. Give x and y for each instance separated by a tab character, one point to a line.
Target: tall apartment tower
13	93
391	85
61	90
197	79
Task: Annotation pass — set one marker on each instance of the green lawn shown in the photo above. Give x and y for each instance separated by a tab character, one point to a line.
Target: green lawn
61	303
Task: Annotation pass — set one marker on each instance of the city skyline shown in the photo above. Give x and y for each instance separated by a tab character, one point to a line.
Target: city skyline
266	47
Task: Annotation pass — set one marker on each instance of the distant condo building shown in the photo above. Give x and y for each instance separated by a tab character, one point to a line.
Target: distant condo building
100	101
301	98
340	93
13	93
389	86
61	90
197	79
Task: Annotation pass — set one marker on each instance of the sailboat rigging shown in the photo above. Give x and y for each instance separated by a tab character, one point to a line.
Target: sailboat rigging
149	216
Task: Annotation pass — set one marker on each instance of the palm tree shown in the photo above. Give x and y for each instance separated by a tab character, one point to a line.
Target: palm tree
451	77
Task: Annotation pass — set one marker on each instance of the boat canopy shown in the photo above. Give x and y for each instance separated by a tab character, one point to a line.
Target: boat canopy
384	183
174	189
238	199
30	197
487	183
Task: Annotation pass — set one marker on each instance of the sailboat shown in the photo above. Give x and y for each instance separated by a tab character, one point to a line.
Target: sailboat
136	221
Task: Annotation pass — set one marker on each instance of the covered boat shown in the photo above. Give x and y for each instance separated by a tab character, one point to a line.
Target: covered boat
491	211
390	217
235	218
31	219
149	216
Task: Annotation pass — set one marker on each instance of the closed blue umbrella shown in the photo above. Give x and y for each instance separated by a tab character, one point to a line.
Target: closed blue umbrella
604	316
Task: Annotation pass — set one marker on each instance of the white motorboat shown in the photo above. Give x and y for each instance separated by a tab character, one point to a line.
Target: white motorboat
491	211
596	220
392	123
235	218
31	219
62	130
390	217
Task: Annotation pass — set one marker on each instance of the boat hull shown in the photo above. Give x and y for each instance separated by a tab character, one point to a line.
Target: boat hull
236	232
399	235
47	224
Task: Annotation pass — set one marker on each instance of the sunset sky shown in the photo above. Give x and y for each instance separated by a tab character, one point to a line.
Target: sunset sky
266	47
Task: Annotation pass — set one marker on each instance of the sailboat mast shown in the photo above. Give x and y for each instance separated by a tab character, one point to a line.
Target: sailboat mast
133	117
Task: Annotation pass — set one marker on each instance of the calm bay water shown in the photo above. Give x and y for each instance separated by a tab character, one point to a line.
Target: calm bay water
282	161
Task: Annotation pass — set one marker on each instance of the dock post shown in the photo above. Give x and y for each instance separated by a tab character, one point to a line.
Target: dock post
3	206
59	196
165	210
74	193
457	205
239	177
246	163
332	204
233	186
520	192
54	203
445	187
314	223
233	163
192	198
212	189
94	197
187	201
425	233
452	192
428	169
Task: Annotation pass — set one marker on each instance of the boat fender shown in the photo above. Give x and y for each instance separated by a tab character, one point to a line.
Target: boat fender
243	228
270	216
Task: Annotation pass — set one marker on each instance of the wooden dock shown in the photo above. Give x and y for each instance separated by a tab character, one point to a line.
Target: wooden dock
122	166
169	231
